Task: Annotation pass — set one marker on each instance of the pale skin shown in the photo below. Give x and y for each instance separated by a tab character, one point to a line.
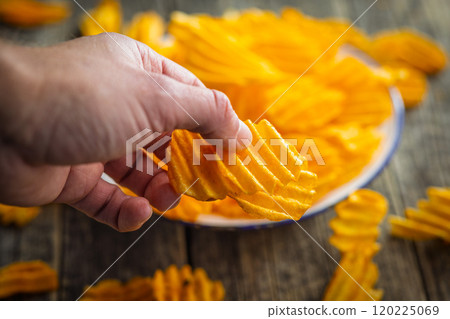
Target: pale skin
66	112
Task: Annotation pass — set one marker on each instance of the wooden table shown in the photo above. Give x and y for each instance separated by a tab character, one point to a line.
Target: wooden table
270	264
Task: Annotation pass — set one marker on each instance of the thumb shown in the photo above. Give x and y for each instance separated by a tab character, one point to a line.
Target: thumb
197	109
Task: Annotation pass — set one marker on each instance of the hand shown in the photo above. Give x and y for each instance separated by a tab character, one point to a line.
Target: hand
68	110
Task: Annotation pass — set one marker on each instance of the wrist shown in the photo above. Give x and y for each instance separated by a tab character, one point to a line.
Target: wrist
17	87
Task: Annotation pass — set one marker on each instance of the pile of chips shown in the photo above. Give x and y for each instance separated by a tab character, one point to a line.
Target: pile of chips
355	233
173	284
254	56
430	220
17	216
27	277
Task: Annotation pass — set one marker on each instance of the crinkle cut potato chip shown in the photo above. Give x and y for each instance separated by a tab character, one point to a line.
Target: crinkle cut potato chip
27	277
173	284
257	178
408	47
355	267
355	233
430	220
356	225
18	216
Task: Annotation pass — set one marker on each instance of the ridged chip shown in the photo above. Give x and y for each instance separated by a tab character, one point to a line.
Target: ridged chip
430	220
355	233
27	277
258	178
356	224
355	280
173	284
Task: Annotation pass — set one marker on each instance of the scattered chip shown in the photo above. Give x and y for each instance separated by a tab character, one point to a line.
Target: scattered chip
356	224
410	48
27	277
355	233
430	220
173	284
185	284
354	280
18	216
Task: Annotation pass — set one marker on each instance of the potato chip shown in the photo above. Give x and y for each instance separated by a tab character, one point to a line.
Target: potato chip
355	280
137	289
355	233
287	202
256	177
408	47
214	55
188	209
412	84
31	13
18	216
185	284
228	208
431	219
356	224
146	27
106	17
173	284
27	277
149	28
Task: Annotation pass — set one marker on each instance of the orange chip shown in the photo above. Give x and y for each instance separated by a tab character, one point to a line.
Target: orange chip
18	216
411	83
173	284
430	220
27	277
106	17
411	48
356	224
256	177
354	280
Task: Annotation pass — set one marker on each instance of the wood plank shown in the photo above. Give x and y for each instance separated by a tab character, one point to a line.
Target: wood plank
89	248
36	241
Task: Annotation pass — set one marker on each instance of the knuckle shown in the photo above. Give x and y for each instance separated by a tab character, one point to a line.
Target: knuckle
222	104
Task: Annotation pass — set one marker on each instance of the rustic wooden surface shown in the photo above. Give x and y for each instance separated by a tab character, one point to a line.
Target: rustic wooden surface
269	264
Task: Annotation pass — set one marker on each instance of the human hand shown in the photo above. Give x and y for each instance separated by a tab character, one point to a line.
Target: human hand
68	110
